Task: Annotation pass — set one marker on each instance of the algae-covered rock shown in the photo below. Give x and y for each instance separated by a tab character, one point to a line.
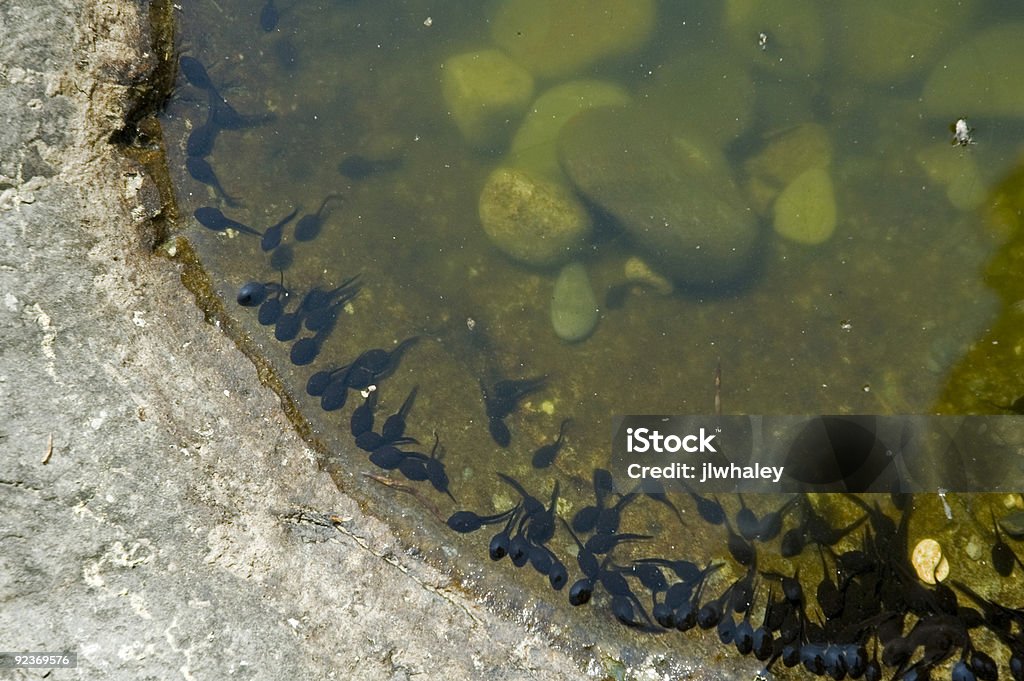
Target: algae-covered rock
791	152
533	220
673	196
533	148
708	91
957	171
560	38
486	93
784	156
805	211
982	77
794	34
574	310
882	41
637	271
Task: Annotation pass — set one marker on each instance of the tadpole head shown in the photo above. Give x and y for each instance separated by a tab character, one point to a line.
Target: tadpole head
252	294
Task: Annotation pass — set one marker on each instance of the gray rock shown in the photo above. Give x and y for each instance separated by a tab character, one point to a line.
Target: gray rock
1013	524
673	196
161	516
573	304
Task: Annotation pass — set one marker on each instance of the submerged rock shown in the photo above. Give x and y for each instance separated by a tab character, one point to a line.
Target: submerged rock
534	147
1013	524
533	220
805	211
574	310
957	170
791	152
560	38
709	90
982	77
794	34
785	156
638	272
884	41
486	92
674	197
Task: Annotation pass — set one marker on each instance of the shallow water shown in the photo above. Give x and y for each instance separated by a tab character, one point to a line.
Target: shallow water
874	320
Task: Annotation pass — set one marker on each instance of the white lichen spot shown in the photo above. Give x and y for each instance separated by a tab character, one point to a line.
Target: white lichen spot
49	332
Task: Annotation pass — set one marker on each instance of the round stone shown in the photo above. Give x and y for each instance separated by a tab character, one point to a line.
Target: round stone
674	196
885	42
486	92
710	89
574	310
791	152
535	221
929	563
982	77
637	271
957	171
1013	524
805	211
561	38
534	147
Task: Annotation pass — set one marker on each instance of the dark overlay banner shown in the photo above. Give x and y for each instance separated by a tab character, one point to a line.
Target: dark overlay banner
774	454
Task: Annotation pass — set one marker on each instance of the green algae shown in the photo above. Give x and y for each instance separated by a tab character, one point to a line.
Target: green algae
990	376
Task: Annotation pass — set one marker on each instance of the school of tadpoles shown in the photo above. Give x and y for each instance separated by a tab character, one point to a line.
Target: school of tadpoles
870	615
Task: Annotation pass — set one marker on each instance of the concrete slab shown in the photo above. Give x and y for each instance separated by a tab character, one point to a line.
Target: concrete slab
151	486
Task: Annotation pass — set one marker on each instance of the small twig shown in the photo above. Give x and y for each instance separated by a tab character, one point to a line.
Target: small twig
315	518
49	451
408	490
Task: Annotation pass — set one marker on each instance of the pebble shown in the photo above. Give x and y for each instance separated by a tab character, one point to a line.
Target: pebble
574	310
533	220
485	91
789	153
1013	524
639	272
533	148
560	38
957	171
805	211
929	563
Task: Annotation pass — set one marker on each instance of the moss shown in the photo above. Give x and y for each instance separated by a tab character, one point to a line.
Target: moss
141	136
